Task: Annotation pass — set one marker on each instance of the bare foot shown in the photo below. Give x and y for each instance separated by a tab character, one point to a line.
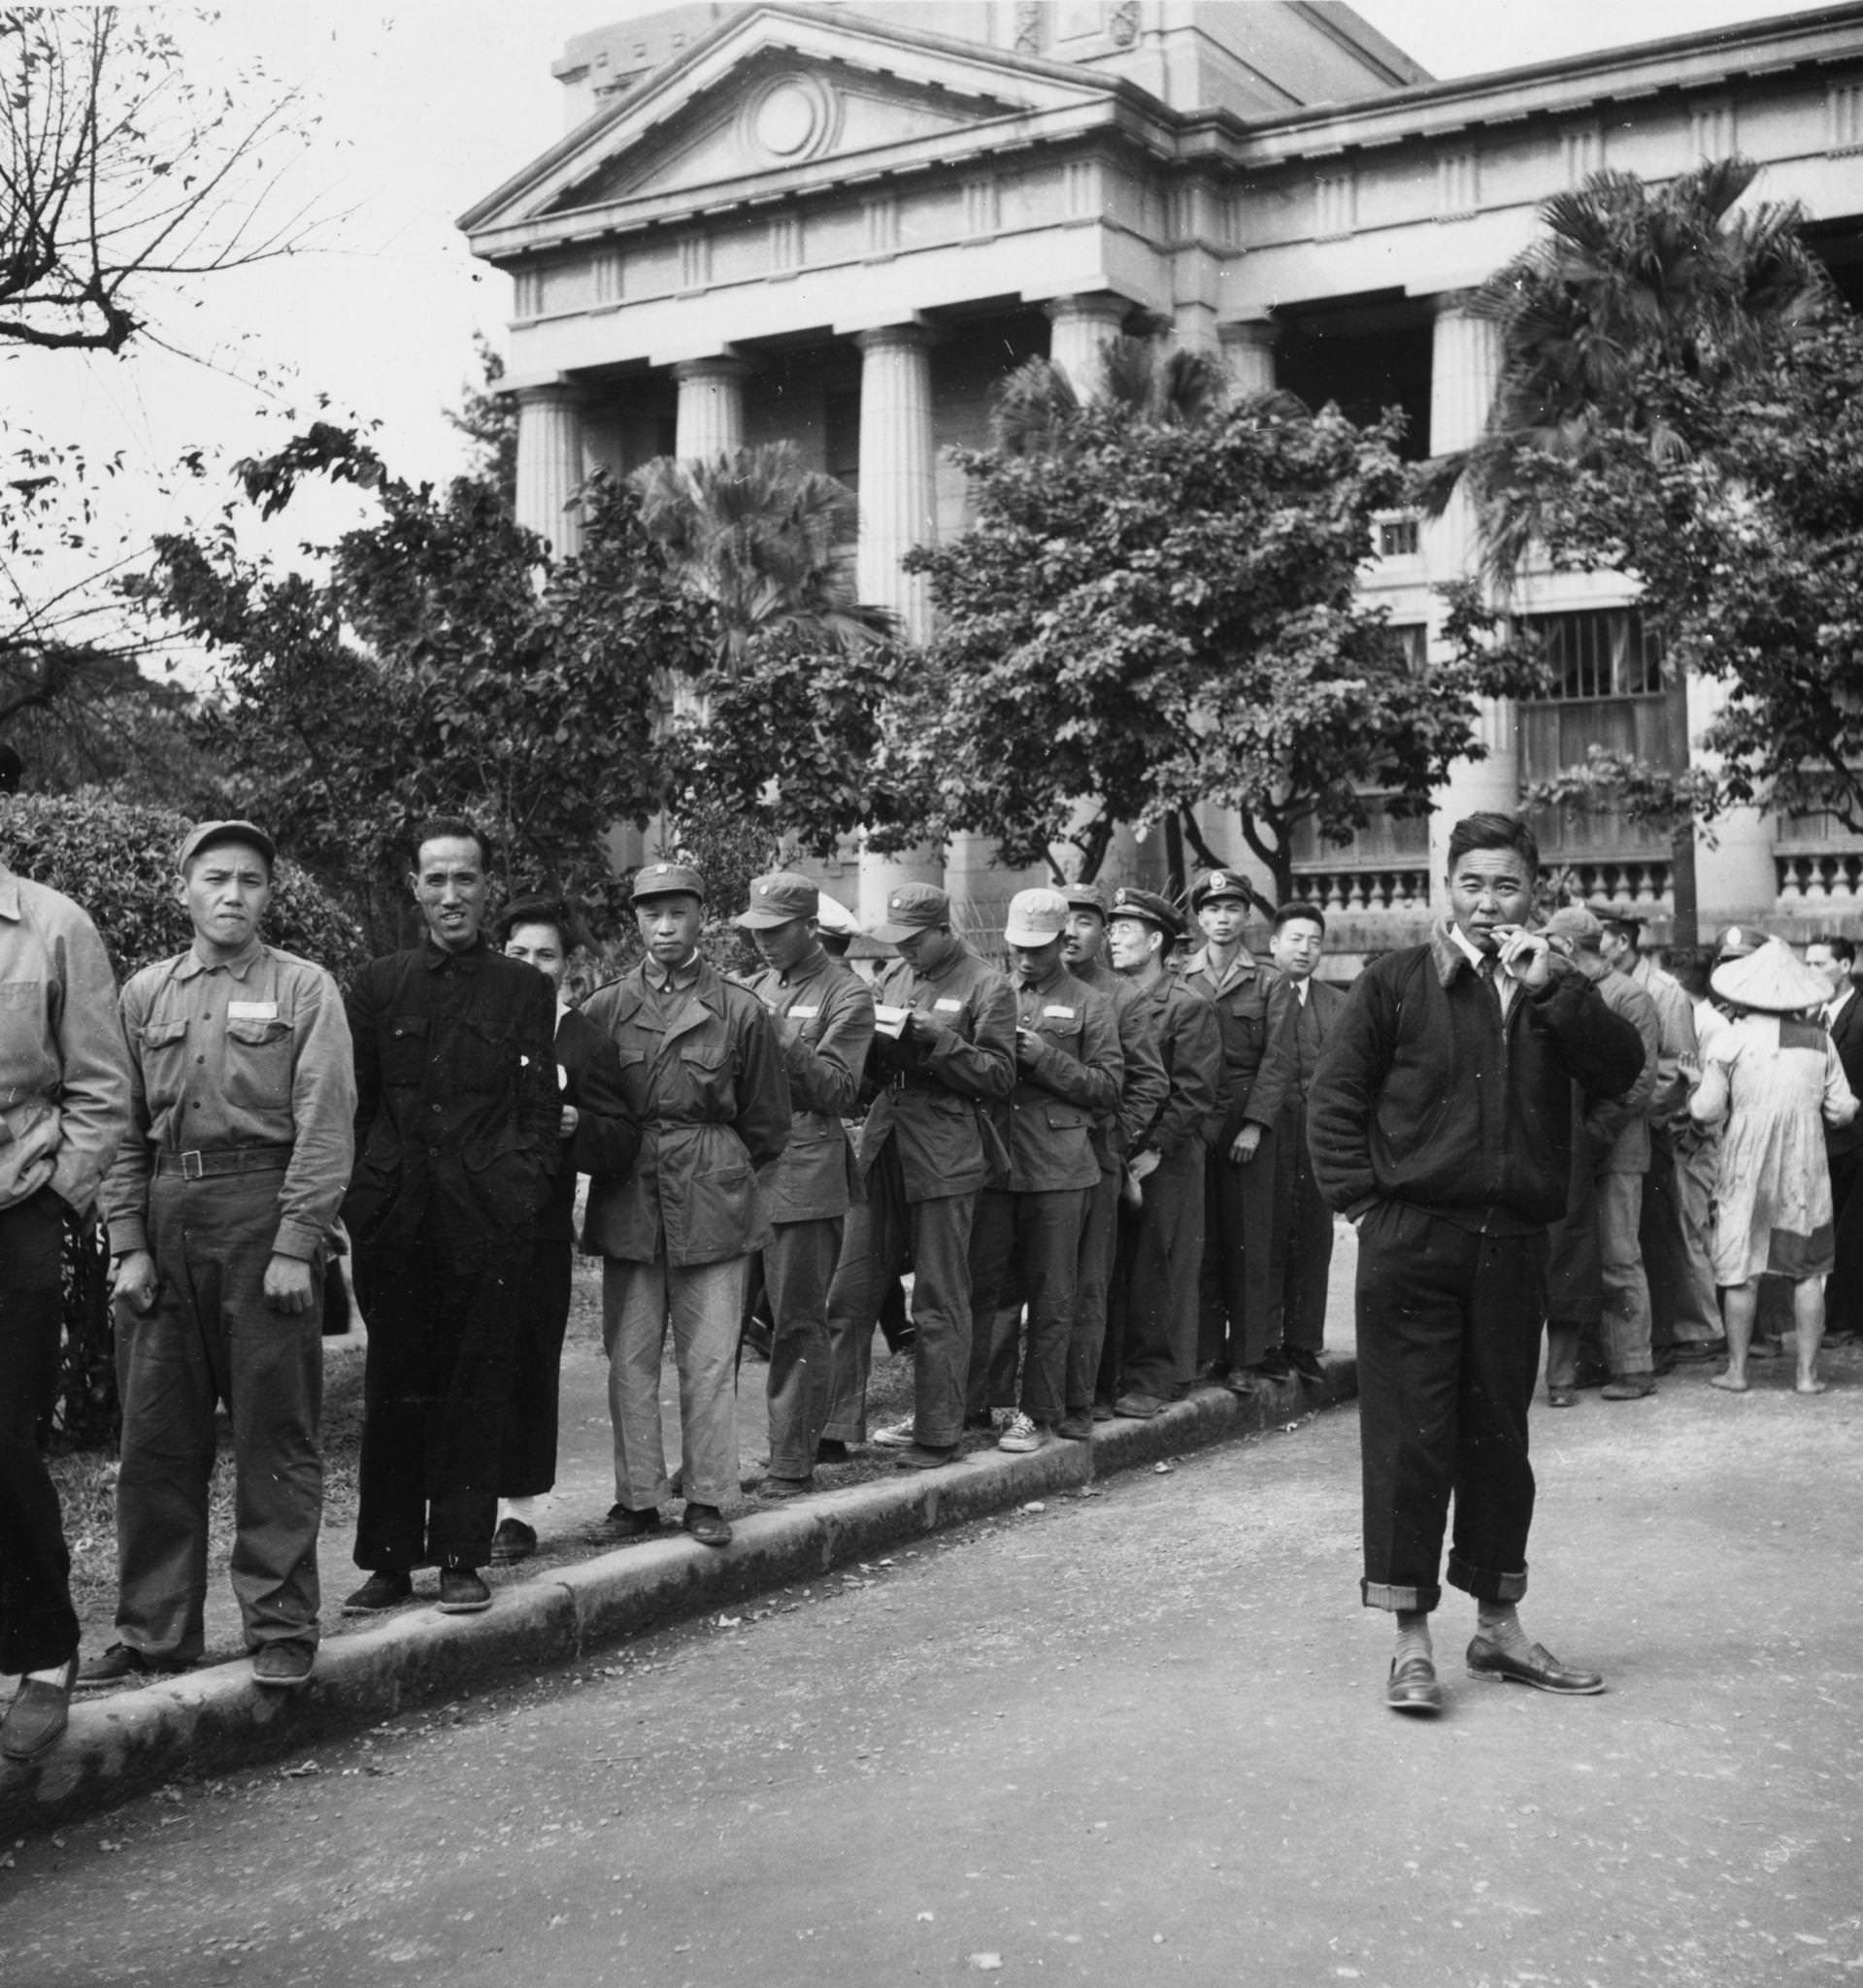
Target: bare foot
1734	1383
1810	1385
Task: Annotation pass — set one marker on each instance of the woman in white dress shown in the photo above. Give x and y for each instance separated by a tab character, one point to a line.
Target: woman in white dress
1777	1079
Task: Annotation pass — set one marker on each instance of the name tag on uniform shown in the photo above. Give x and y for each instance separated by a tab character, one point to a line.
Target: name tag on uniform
944	1007
805	1013
1060	1013
251	1010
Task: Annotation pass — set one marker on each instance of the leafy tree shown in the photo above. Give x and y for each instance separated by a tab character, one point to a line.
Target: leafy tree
446	662
121	174
487	418
1152	613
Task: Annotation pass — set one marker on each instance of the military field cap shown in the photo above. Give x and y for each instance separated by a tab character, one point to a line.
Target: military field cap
206	835
1129	903
12	767
778	899
912	907
1771	978
1034	916
666	879
1219	883
1576	925
1084	897
1737	941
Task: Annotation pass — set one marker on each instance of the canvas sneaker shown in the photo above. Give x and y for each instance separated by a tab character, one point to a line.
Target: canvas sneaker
1021	1433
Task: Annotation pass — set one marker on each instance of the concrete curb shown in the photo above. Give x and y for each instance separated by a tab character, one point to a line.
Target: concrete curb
217	1720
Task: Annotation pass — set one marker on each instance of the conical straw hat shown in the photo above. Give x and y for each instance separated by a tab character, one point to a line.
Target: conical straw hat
1772	979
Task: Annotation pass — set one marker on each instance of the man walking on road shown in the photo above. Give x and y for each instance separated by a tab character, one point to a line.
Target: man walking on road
944	1051
824	1019
220	1205
457	1140
1151	1350
1441	1126
702	1071
64	1104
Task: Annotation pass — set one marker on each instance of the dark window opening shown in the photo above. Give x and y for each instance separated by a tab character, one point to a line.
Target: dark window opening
1366	355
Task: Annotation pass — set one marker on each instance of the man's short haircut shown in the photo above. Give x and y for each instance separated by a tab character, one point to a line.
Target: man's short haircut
1626	928
1288	914
1841	947
449	828
1493	832
540	910
1691	965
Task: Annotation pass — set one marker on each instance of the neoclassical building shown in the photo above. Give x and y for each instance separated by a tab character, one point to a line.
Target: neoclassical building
843	225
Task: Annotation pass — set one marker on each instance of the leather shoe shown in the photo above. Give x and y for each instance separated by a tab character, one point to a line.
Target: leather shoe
513	1540
922	1456
462	1592
38	1714
786	1487
1307	1364
283	1666
1627	1387
1539	1668
1138	1407
706	1524
832	1450
1412	1688
1695	1352
121	1664
1077	1425
384	1589
1561	1397
623	1522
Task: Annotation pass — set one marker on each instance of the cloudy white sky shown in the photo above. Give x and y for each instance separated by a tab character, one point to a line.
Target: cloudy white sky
422	109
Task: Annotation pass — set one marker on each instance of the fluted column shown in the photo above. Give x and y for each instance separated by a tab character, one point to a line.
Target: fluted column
1249	355
711	411
1465	366
1736	880
549	465
1081	327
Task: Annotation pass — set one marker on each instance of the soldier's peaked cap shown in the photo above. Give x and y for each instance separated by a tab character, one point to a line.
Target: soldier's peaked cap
1131	903
912	907
1219	883
778	899
666	879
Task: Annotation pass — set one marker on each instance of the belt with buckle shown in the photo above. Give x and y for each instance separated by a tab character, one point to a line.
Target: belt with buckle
202	1164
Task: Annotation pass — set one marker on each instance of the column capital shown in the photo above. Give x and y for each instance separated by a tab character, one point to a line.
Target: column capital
726	365
1260	334
911	334
1090	307
548	393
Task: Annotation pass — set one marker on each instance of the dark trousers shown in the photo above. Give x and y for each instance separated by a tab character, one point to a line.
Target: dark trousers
1306	1226
798	1273
883	1234
1093	1287
1448	1347
1673	1235
208	1338
1028	1244
1844	1287
1151	1309
1240	1284
434	1393
38	1626
529	1461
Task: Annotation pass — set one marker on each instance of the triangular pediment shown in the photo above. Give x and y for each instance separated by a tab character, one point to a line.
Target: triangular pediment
785	96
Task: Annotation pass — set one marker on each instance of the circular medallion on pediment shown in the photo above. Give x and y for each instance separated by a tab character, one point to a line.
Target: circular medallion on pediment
790	118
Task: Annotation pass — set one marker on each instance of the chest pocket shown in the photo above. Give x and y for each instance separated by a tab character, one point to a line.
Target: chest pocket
162	1050
706	1079
404	1050
258	1065
483	1059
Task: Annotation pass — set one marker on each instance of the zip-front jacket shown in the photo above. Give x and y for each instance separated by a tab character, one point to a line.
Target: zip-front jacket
1424	1096
930	1092
824	1018
606	1137
702	1071
1071	1078
1190	1041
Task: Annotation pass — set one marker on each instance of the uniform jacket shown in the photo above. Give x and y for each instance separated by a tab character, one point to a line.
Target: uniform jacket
1676	1019
456	1102
1254	1009
1145	1084
1424	1095
1617	1129
1189	1040
64	1077
1314	1019
824	1019
1070	1078
252	1051
708	1090
1846	1035
606	1134
931	1090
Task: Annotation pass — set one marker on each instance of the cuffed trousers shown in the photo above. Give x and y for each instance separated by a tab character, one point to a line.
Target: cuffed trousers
1152	1314
704	1304
1031	1241
38	1625
798	1273
211	1338
1449	1348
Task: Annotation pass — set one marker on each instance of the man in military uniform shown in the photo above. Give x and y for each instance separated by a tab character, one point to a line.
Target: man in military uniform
702	1070
1151	1325
1028	1232
1239	1335
457	1119
824	1018
220	1205
945	1046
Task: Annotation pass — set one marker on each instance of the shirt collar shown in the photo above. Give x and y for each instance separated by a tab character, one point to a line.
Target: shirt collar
679	978
438	956
804	968
192	961
1451	948
1045	985
1838	1001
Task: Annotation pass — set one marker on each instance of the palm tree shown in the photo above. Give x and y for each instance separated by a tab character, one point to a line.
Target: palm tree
1038	406
764	538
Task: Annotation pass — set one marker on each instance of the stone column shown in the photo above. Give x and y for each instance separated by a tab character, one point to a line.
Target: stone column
711	412
1465	366
1249	355
1736	880
549	465
898	509
1080	327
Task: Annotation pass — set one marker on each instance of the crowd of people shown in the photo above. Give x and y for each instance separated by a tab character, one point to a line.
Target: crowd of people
1104	1177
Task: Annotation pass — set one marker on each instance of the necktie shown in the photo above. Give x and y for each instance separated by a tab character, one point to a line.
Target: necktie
1486	973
